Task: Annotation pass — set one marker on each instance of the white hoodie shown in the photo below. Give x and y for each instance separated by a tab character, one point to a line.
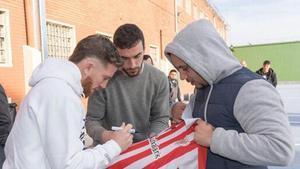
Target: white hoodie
49	125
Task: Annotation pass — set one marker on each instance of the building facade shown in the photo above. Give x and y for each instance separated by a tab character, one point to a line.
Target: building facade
67	21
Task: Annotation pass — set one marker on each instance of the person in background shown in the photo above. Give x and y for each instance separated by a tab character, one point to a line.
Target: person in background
148	59
48	131
175	101
242	119
5	123
138	93
175	94
268	73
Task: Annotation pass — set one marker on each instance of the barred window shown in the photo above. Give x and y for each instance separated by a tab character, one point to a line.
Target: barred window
60	40
200	14
5	51
180	3
195	11
154	53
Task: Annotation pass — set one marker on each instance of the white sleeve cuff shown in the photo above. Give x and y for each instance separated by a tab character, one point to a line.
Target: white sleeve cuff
112	149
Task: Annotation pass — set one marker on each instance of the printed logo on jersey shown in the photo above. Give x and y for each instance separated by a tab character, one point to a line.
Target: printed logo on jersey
154	147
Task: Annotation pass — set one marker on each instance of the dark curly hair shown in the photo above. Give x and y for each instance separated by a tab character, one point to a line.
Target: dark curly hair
267	62
172	70
96	46
127	36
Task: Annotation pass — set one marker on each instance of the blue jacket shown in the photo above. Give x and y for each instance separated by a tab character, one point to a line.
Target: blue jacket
220	113
251	126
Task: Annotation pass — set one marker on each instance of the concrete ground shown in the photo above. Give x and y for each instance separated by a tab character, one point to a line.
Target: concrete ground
291	98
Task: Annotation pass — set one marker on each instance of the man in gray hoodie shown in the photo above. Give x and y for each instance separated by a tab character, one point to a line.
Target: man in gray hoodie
242	119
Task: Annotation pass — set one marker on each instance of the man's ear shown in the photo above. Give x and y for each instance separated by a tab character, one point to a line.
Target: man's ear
87	67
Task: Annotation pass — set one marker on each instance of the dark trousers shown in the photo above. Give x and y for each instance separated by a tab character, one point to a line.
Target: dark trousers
2	156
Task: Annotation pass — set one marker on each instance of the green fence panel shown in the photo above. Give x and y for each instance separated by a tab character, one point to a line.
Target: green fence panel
284	57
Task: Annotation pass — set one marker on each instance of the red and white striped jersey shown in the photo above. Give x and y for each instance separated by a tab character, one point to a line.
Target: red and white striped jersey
173	148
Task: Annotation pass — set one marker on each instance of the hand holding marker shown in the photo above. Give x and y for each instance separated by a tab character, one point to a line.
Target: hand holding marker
115	128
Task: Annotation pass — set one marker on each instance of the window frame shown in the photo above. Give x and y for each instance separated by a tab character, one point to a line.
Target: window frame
156	59
73	37
195	11
7	48
180	3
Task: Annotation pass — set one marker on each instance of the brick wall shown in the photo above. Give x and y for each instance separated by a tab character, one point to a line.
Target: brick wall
106	15
12	78
155	17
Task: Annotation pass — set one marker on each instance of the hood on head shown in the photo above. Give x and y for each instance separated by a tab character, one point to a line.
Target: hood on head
58	69
202	48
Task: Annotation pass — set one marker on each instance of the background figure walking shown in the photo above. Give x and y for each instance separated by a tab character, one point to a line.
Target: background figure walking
175	94
268	73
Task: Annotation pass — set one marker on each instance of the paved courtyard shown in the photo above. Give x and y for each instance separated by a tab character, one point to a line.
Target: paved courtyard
291	99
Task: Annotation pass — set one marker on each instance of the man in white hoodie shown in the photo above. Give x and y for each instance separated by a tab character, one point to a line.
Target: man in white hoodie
243	122
48	131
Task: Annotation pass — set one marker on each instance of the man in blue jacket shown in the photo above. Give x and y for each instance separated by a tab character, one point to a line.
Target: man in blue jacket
242	119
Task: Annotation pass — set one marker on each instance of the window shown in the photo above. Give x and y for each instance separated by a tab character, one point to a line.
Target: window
61	39
5	48
200	14
215	21
223	33
206	16
109	36
180	3
154	53
188	6
195	11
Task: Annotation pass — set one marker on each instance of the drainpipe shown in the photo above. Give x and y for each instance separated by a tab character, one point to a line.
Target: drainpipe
43	31
161	44
35	49
25	4
35	23
176	16
31	8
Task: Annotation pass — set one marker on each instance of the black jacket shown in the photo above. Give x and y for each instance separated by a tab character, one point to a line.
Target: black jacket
270	76
174	91
5	118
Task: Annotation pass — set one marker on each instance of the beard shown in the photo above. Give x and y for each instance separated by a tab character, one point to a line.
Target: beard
87	86
132	72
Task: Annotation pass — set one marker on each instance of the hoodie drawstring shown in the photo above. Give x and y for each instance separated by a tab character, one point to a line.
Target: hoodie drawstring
206	103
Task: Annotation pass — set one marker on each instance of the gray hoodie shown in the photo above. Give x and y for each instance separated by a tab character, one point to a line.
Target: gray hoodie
258	107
